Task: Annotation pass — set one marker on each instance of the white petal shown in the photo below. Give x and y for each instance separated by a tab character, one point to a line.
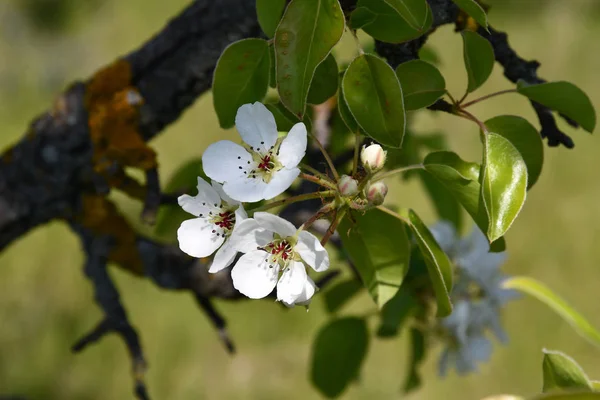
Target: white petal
219	189
312	252
246	189
223	258
240	214
197	239
221	161
291	284
307	293
248	236
280	182
293	147
256	126
206	200
252	276
275	224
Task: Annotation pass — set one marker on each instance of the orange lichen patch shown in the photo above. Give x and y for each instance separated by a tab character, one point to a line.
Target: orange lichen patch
101	216
109	80
465	22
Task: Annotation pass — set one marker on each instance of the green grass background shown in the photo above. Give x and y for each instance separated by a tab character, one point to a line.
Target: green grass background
46	303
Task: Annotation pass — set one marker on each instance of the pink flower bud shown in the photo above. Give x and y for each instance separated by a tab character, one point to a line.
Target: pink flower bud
376	193
348	186
372	157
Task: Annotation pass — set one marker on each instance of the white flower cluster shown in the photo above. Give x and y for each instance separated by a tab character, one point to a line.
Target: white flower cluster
264	167
478	297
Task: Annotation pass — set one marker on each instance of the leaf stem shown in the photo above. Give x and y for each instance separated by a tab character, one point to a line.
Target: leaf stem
469	116
319	181
326	209
327	158
389	173
289	200
315	172
470	103
394	214
452	99
331	230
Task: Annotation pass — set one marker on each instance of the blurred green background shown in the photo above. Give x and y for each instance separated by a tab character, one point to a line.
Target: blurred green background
46	303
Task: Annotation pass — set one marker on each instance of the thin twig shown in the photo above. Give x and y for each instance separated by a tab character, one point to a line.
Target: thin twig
327	158
389	173
326	209
488	96
469	116
318	181
331	230
301	197
393	213
315	171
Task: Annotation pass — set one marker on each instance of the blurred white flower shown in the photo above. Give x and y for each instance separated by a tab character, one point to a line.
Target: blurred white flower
272	245
217	214
265	166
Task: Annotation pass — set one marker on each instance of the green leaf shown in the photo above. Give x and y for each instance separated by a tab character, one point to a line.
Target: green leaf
284	119
503	184
384	19
595	385
306	34
565	98
269	13
479	59
241	77
446	205
562	372
461	178
344	111
272	72
380	250
374	98
395	312
545	295
526	140
568	396
474	10
437	262
183	180
422	84
337	355
417	356
340	294
325	82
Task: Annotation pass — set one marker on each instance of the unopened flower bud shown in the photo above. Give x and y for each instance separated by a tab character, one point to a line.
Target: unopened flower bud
376	193
348	186
373	157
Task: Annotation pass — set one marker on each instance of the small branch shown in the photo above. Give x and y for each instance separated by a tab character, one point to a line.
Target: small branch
301	197
326	209
318	181
471	117
327	158
392	172
340	215
488	96
315	171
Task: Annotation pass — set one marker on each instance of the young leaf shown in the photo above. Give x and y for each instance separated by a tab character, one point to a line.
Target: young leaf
306	34
437	262
269	13
503	184
422	84
241	76
526	140
384	19
545	295
395	312
565	98
325	82
374	97
474	10
461	178
417	356
379	248
337	355
340	294
479	59
562	372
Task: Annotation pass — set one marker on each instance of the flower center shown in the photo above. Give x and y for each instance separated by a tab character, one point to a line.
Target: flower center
224	220
281	251
266	164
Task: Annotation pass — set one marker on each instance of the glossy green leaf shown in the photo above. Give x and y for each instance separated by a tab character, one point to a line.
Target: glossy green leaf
422	84
565	98
561	307
526	140
325	82
568	396
380	250
241	76
446	205
461	178
306	34
336	297
337	355
285	119
382	19
418	349
395	312
562	372
183	180
344	111
269	13
272	72
503	184
437	262
474	10
374	98
479	59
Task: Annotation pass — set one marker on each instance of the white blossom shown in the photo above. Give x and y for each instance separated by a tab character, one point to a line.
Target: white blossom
373	157
272	246
347	186
265	166
217	214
